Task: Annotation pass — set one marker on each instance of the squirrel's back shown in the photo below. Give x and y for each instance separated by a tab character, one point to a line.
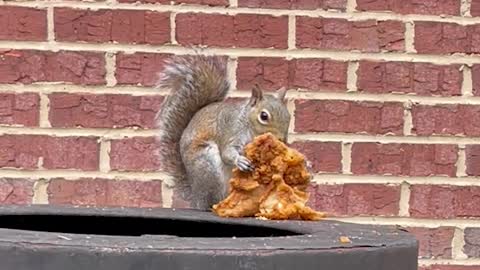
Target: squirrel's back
193	81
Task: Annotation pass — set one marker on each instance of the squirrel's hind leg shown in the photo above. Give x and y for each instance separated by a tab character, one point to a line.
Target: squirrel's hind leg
208	177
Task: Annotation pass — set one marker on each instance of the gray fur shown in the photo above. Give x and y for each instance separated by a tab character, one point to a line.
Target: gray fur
194	82
201	136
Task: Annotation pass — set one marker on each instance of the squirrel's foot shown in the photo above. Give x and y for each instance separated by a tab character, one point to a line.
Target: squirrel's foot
244	164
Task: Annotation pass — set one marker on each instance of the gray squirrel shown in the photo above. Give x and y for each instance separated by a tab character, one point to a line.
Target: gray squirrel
201	136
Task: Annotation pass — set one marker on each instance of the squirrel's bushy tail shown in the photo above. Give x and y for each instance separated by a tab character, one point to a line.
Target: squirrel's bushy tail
194	81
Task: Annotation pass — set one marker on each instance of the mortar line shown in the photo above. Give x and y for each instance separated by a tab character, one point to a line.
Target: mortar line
352	77
241	10
104	158
346	158
390	139
232	66
404	203
292	32
44	121
77	174
410	222
467	262
410	37
461	163
319	179
50	25
233	3
351	6
465	8
407	119
335	179
245	52
319	137
173	28
458	242
467	83
40	192
167	195
110	68
322	94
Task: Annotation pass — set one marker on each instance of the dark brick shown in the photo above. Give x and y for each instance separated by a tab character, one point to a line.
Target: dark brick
123	26
348	117
404	159
103	111
446	119
23	24
406	77
341	34
103	192
432	201
86	68
324	156
426	7
19	109
356	199
242	30
273	73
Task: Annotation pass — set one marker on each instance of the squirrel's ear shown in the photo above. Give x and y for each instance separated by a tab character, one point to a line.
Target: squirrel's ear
281	93
257	95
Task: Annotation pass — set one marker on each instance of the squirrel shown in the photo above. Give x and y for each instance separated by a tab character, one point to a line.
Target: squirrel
202	135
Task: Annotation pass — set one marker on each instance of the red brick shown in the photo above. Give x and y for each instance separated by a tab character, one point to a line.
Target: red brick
273	73
476	79
475	8
139	68
242	30
15	191
446	38
341	34
31	151
404	159
103	192
450	267
427	7
473	159
178	201
348	117
434	242
22	23
145	1
356	199
103	111
472	242
446	119
87	68
134	154
204	2
406	77
318	74
122	26
294	4
324	156
432	201
19	109
195	2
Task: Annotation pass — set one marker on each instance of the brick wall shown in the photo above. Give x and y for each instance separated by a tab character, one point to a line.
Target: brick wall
387	103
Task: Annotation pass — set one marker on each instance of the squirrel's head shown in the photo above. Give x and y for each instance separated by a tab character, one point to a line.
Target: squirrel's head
269	113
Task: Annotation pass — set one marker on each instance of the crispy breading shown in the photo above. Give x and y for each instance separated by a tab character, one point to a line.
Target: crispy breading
276	189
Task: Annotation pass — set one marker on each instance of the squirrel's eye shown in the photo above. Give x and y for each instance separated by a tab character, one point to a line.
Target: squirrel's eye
264	117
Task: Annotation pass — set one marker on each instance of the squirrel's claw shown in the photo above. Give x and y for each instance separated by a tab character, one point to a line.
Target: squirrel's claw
244	164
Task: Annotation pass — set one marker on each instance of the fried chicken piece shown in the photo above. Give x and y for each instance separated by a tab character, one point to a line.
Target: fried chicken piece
276	189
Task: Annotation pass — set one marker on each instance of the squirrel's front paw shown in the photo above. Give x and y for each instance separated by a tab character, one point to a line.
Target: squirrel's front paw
244	164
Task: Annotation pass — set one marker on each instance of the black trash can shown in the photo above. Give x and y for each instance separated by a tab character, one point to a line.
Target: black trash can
71	238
